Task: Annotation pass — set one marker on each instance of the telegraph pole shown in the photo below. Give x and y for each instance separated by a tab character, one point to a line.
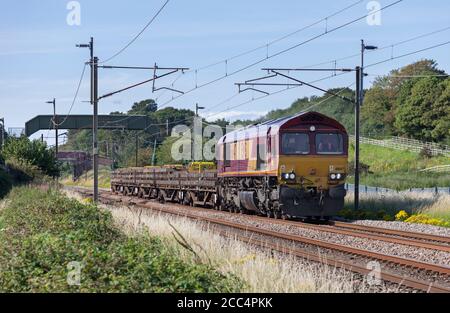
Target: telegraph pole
2	120
55	125
154	152
94	102
363	49
137	149
95	97
198	108
95	127
3	131
357	108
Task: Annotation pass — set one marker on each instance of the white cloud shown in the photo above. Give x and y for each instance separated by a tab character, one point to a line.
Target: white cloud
234	115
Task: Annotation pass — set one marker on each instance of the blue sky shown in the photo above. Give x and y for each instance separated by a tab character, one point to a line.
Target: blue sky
39	60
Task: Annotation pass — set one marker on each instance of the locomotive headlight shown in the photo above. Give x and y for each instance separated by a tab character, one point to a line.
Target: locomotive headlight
336	176
288	176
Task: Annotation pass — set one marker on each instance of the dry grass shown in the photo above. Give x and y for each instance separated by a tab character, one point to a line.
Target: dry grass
438	209
261	271
391	203
408	201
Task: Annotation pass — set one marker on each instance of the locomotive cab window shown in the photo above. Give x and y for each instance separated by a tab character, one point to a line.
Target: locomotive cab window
295	143
331	143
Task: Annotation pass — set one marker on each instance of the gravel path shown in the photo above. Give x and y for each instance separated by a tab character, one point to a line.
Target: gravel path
418	228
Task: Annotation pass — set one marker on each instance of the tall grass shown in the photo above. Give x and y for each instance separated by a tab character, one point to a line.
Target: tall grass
404	180
387	205
87	179
439	209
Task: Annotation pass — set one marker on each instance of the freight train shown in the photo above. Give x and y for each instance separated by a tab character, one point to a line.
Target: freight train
293	167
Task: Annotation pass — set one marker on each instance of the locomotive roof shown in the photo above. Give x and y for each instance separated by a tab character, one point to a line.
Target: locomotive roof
275	125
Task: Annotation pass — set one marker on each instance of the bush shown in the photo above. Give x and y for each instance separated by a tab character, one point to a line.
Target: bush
425	153
26	153
401	215
24	172
5	183
47	231
425	219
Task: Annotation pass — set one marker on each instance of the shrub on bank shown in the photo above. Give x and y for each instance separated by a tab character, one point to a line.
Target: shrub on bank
5	183
44	231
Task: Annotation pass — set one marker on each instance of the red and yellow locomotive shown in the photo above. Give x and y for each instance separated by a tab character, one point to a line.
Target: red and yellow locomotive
289	167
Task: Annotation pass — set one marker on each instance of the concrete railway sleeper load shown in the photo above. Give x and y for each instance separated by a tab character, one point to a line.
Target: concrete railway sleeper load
292	167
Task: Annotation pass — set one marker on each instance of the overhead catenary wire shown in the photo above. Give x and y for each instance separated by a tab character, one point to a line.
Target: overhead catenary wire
274	93
390	46
370	65
138	35
328	31
264	46
407	54
74	98
409	76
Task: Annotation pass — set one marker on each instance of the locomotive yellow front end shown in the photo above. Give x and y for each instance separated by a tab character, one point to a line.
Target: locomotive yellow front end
313	160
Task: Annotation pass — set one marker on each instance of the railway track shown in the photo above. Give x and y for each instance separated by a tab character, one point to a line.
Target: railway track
400	233
245	232
400	237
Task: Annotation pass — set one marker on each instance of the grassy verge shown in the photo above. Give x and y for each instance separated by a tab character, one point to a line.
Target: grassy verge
397	169
44	231
261	271
419	207
5	183
87	180
404	180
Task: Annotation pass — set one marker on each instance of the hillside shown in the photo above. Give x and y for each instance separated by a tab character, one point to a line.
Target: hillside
398	169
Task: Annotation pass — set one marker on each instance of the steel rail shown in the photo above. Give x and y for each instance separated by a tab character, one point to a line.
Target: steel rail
410	241
413	235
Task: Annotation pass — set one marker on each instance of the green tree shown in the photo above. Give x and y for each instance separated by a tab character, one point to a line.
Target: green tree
376	117
420	114
441	131
34	153
143	107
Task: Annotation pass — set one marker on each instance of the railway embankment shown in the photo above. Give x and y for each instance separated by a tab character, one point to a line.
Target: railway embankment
51	243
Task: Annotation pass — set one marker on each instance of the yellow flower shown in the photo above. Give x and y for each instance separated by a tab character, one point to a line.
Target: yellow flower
88	200
425	219
401	216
